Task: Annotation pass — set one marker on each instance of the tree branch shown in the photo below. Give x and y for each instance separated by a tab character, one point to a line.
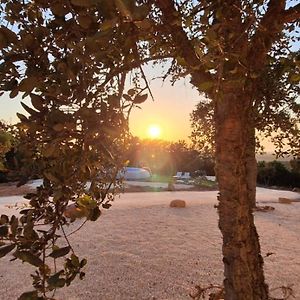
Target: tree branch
134	64
182	44
292	14
266	34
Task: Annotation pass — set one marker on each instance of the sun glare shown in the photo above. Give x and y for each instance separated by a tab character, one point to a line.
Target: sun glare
154	131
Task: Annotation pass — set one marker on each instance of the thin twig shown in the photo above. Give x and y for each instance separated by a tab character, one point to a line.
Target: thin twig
78	228
66	238
146	82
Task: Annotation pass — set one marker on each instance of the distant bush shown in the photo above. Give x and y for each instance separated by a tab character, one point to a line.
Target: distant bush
275	173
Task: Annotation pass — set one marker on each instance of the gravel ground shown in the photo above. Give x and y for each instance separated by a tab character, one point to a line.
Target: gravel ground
142	249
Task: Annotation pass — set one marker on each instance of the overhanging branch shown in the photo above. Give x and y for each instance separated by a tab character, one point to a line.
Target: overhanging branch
266	34
292	14
183	45
133	65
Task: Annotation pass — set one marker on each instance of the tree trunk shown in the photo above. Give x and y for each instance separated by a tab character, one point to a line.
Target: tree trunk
251	166
243	264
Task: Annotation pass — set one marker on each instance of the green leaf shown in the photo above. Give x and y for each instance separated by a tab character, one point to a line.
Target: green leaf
75	260
29	296
30	233
14	93
60	252
87	202
138	99
6	249
3	230
58	127
10	36
28	109
140	12
56	282
131	92
108	24
85	21
127	97
82	3
295	78
83	263
51	177
94	214
3	41
22	117
37	102
27	256
207	85
28	84
125	7
4	219
106	205
14	222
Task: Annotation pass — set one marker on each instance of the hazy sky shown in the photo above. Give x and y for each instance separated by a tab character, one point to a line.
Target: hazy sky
170	109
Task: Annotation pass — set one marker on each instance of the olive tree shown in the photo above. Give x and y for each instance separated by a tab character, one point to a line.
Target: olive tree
73	133
70	57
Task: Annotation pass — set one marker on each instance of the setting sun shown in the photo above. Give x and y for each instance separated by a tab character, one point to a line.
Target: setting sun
154	131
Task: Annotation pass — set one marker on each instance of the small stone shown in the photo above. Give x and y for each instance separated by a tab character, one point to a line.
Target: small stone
177	203
284	200
296	190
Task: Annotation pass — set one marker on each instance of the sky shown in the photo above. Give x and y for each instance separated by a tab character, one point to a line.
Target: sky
170	110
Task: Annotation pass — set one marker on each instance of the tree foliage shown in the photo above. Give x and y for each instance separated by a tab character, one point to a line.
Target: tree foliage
276	110
276	174
70	57
74	130
166	158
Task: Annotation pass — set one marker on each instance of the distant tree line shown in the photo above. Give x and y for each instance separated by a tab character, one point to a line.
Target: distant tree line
162	157
167	158
275	173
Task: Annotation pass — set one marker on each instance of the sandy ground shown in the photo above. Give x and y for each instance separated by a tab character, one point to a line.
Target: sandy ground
142	249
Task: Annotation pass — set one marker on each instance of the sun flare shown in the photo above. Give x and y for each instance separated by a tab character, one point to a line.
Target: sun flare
154	131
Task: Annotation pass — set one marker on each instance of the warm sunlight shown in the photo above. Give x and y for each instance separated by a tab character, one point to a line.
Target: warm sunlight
154	131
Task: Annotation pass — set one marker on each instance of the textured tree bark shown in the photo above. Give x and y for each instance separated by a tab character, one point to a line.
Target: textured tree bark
243	264
251	166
